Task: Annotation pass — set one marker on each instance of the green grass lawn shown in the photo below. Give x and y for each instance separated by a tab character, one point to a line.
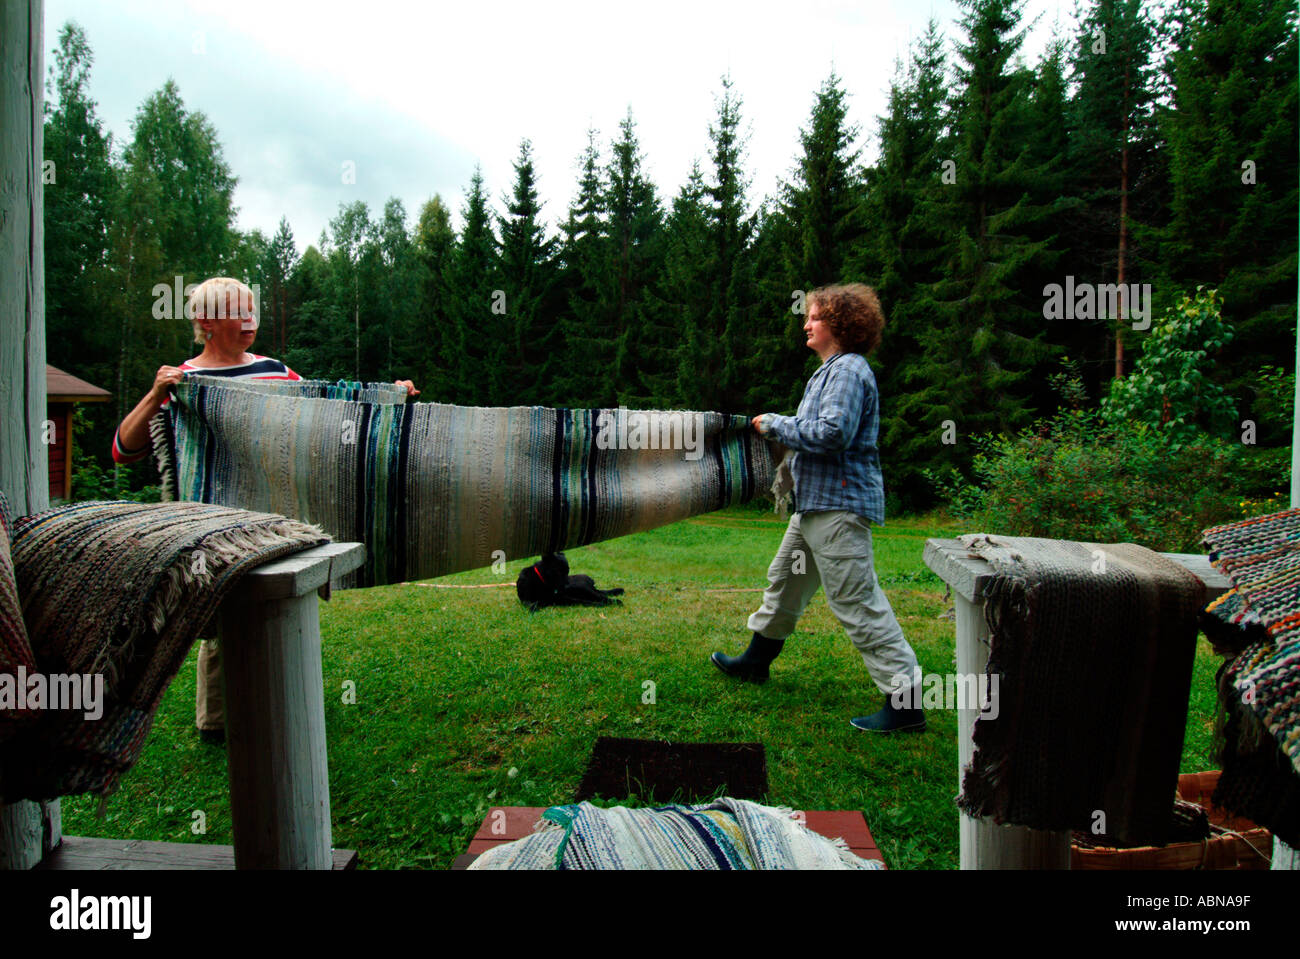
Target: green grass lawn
466	701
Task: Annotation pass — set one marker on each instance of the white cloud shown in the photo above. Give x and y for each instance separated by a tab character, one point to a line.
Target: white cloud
416	94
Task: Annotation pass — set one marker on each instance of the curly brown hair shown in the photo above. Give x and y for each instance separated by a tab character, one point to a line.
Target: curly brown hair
852	311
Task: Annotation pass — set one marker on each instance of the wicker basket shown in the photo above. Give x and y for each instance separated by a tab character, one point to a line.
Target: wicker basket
1250	848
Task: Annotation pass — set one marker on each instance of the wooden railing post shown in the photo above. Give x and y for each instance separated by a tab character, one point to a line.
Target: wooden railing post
984	844
275	710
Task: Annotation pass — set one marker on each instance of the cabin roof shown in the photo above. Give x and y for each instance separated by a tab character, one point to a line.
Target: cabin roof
66	388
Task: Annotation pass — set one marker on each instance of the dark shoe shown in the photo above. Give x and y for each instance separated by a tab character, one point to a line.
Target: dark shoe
212	737
892	719
751	665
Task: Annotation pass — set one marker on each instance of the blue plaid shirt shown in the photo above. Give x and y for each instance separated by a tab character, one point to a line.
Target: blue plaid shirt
836	463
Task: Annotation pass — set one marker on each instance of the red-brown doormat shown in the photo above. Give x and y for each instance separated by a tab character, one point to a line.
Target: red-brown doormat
662	771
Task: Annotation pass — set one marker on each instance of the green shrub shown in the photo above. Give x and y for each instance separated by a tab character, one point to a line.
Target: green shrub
1172	387
1142	468
1076	476
90	481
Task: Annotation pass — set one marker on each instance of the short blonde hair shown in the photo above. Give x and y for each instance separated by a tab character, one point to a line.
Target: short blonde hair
211	300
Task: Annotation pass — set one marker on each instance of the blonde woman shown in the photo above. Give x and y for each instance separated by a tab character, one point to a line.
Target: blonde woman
224	314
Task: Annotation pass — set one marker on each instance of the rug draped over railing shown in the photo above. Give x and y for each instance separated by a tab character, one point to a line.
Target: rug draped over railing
434	489
1256	626
118	591
726	834
1094	646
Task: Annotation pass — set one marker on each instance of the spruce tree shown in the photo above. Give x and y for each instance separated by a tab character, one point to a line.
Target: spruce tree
320	344
586	346
824	199
779	361
79	186
685	293
804	244
277	268
523	352
433	346
1111	155
633	241
727	338
474	281
906	251
989	330
1232	137
1048	186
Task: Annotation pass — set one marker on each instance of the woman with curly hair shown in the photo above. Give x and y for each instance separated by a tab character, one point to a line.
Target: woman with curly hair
838	492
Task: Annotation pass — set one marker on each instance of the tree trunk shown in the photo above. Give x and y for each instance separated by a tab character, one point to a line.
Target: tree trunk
1123	233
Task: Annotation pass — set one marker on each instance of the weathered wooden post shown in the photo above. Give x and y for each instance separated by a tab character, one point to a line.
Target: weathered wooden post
27	830
275	710
984	844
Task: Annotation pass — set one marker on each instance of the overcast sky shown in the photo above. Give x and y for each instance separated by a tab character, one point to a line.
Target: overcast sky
416	94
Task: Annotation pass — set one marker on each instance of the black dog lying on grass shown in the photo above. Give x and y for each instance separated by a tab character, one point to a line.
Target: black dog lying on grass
548	583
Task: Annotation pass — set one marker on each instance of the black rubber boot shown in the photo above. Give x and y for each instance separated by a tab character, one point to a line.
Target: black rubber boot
751	665
893	719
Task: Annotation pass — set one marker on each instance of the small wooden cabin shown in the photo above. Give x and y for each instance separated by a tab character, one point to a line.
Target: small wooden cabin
63	392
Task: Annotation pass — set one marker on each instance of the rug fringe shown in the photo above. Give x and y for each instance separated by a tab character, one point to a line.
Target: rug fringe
159	435
220	550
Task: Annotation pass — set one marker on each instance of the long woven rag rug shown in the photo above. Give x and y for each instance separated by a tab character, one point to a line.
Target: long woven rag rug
433	489
1259	685
113	595
1094	646
726	834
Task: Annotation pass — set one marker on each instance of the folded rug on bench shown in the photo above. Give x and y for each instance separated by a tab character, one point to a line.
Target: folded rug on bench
1093	645
725	834
434	489
113	595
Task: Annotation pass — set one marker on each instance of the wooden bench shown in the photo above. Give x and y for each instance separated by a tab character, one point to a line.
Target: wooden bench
508	823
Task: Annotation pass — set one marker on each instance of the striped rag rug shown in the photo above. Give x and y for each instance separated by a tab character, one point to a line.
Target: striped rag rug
725	834
1256	627
432	489
1093	646
113	595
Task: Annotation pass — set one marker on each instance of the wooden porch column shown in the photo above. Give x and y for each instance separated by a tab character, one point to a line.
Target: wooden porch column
984	844
27	830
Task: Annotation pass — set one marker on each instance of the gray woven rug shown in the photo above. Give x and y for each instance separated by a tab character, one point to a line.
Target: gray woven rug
432	489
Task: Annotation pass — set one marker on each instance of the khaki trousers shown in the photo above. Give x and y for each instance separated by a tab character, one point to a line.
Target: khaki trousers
833	550
209	700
